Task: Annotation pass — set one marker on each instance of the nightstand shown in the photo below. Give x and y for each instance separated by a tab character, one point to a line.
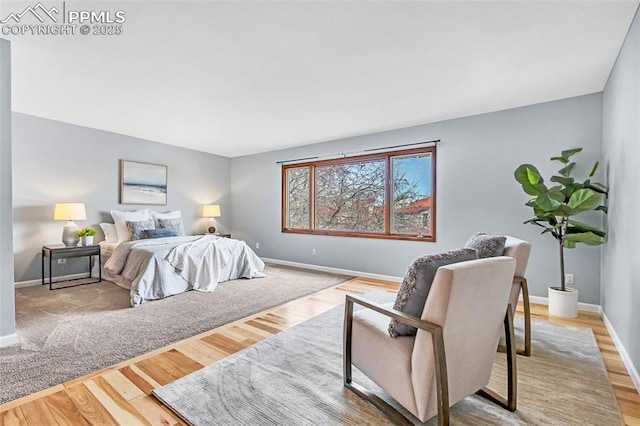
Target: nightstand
55	252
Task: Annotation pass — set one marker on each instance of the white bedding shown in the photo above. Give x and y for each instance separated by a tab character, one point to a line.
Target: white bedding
161	267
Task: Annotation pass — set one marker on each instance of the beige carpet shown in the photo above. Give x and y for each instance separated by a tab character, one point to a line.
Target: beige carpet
67	333
295	377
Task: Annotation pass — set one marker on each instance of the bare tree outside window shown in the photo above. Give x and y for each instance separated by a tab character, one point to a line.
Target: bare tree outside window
387	195
298	198
350	197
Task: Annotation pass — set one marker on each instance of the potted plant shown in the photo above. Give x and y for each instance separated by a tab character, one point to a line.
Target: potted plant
86	235
554	208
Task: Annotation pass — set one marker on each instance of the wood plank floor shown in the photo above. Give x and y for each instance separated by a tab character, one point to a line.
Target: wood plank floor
121	394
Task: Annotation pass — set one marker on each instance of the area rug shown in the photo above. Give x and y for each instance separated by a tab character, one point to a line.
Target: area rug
67	333
295	377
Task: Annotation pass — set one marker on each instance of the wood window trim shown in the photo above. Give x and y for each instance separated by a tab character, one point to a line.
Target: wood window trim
384	156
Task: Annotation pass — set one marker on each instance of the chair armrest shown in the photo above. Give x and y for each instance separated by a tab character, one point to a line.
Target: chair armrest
395	314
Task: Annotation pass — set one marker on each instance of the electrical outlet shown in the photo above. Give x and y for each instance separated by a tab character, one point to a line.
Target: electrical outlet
62	261
313	251
257	245
568	279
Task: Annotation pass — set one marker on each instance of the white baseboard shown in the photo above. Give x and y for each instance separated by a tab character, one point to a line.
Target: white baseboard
334	270
30	283
9	340
633	372
586	307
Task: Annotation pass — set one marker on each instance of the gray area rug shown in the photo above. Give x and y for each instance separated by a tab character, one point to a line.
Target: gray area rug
295	377
67	333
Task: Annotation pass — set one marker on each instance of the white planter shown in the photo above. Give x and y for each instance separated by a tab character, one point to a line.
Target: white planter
87	240
563	303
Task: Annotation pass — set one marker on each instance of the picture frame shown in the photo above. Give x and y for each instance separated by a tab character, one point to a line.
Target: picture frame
143	183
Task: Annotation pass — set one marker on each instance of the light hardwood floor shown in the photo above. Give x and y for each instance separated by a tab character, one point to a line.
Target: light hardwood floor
121	394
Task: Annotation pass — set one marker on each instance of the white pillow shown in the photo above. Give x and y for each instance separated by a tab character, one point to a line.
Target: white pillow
110	233
121	219
176	214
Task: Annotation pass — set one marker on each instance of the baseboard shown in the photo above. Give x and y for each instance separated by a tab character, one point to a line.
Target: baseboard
586	307
334	270
633	372
30	283
8	340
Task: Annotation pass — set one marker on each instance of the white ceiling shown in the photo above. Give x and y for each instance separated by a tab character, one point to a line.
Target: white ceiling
235	78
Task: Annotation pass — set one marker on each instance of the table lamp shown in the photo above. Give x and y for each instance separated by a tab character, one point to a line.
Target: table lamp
211	211
70	212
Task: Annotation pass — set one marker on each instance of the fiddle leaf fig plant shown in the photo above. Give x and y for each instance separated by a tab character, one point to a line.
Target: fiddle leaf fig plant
554	205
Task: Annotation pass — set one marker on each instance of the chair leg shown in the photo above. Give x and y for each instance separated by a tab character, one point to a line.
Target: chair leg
526	351
512	381
527	318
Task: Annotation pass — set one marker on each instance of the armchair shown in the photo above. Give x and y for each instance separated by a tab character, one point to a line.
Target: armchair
452	354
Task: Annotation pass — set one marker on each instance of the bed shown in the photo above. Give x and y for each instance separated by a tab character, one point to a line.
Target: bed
148	253
156	268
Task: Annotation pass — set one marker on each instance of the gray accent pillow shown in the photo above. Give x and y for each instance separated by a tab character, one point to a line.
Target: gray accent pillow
137	228
173	224
159	233
415	286
486	245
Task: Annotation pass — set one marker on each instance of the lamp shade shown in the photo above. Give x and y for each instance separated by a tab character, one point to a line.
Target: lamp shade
212	210
70	211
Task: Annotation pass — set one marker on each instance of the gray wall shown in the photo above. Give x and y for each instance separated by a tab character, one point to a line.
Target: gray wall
57	162
7	312
476	191
621	147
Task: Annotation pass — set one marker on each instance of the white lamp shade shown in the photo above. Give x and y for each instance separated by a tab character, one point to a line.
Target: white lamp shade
70	211
212	210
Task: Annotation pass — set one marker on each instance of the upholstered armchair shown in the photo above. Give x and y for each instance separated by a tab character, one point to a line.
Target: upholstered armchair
453	352
520	250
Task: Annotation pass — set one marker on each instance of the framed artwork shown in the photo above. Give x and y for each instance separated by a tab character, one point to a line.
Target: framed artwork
143	183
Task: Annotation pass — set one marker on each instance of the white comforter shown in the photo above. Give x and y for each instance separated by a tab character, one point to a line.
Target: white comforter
162	267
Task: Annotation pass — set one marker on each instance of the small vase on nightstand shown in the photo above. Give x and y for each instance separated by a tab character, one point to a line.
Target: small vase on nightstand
87	240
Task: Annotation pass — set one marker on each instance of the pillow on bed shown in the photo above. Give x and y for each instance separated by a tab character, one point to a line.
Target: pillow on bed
177	214
120	219
159	233
173	224
110	234
137	228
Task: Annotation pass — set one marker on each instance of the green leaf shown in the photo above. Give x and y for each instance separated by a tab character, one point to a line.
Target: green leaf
550	201
569	244
588	238
560	159
593	170
576	227
569	152
527	174
566	181
570	189
583	200
598	187
566	171
530	203
602	208
534	190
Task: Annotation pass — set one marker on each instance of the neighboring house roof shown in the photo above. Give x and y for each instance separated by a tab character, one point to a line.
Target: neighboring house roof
416	207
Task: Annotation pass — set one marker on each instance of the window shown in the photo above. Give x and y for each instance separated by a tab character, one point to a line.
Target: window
387	195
